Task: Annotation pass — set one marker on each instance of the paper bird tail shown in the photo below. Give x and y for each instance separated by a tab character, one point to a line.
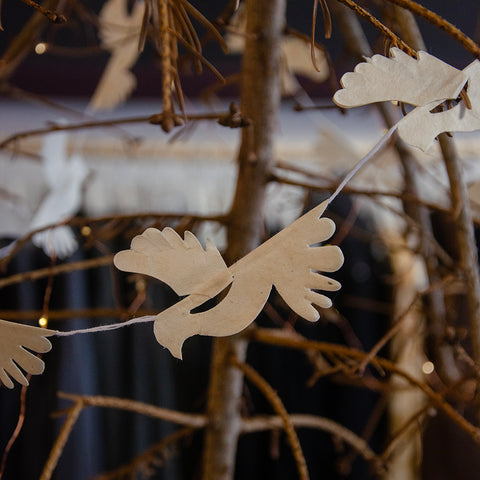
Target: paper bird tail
172	327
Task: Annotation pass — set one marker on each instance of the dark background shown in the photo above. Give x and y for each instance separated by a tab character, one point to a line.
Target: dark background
75	73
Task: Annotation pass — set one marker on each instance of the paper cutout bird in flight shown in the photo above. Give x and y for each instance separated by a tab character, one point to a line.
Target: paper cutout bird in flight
287	261
425	83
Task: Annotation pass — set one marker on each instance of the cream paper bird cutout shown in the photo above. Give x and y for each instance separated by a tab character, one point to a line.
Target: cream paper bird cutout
286	261
14	340
119	33
64	177
424	83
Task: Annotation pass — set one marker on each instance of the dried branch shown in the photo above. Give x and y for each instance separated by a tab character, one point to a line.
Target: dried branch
53	17
260	104
259	423
277	405
465	236
55	270
282	338
24	42
61	440
394	39
146	461
441	23
18	427
153	119
398	321
173	416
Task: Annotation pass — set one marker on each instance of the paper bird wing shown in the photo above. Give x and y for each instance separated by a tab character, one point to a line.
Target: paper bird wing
182	264
14	340
420	127
401	77
290	262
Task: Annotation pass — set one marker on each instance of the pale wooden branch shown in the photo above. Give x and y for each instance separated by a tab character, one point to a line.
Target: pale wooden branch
359	46
465	235
154	119
395	40
58	446
277	405
147	459
441	23
55	270
173	416
436	310
260	103
298	420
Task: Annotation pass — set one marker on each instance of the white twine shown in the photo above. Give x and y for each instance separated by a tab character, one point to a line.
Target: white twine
379	146
105	328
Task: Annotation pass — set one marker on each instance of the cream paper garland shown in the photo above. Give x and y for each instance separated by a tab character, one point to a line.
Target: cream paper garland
289	260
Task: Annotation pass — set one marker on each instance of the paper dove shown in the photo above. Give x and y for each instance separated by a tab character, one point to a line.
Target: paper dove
119	33
286	261
14	339
424	83
64	178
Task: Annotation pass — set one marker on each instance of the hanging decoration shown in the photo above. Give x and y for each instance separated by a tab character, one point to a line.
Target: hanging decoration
64	177
119	33
286	261
291	261
425	83
15	339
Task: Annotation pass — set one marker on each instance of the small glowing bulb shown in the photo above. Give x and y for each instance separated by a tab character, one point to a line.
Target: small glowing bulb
43	322
86	231
40	48
428	368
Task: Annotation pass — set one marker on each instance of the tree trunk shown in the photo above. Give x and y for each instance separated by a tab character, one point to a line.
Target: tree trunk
260	104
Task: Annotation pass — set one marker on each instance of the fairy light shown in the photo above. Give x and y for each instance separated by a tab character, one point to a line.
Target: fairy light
40	48
43	322
428	368
86	231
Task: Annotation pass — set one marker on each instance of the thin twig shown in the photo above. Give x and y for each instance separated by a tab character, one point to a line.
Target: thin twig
61	440
465	236
55	270
441	23
298	420
173	416
281	411
280	338
52	16
154	119
398	322
147	459
394	39
18	427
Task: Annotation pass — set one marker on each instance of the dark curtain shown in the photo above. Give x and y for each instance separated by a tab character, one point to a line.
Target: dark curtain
129	363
